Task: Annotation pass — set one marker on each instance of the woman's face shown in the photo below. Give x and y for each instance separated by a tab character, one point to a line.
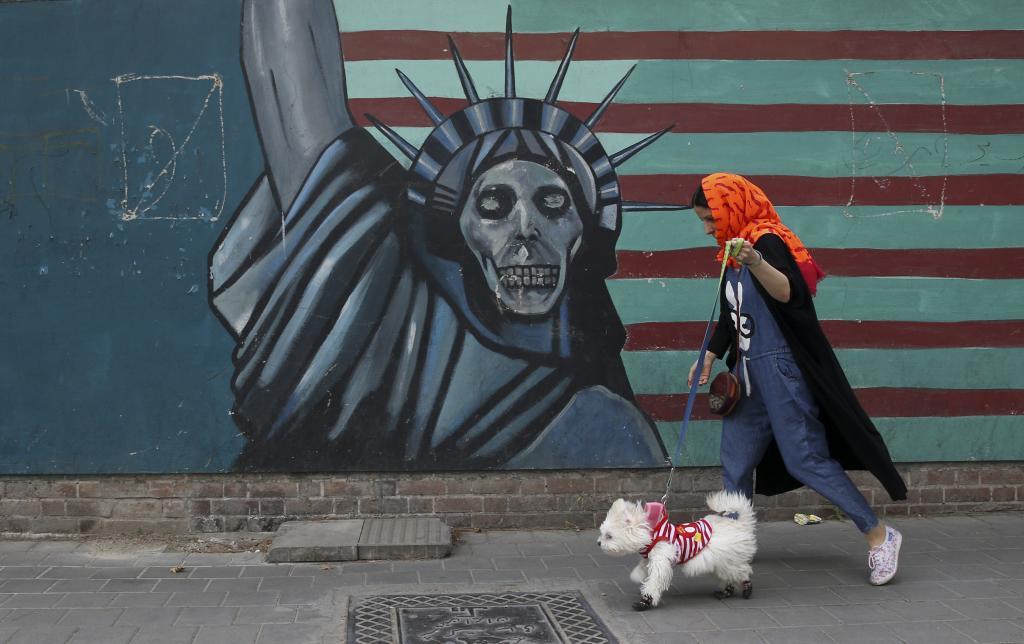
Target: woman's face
708	219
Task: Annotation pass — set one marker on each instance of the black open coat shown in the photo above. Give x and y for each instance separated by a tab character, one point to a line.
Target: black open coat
853	439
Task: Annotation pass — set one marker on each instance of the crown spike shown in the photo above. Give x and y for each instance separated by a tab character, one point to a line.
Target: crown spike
510	63
435	114
556	83
408	149
627	153
468	88
645	206
593	119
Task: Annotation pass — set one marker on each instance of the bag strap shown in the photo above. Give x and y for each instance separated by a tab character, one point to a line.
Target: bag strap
730	251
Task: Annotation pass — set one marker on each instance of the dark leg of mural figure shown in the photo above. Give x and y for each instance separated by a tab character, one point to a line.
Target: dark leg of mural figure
449	316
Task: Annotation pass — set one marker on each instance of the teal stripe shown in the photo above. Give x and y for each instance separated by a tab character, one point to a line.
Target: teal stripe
664	372
855	227
966	82
910	440
839	298
691	15
811	154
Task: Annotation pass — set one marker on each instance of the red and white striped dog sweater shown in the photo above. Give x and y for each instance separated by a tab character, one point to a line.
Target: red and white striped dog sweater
687	538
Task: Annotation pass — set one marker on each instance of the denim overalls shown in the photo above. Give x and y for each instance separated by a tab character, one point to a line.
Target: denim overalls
776	402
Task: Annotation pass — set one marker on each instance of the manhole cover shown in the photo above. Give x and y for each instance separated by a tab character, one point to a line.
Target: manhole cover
498	618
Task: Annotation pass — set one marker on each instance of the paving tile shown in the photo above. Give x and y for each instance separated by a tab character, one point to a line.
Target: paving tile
375	578
287	583
675	618
130	585
24	617
149	616
33	600
552	573
518	563
103	635
862	633
367	567
800	616
76	585
206	616
86	600
90	617
923	590
236	634
736	636
445	577
994	631
68	572
181	585
291	633
301	597
984	608
862	614
22	572
43	635
739	618
117	573
543	549
215	572
196	599
26	585
931	610
794	635
269	570
266	615
929	633
235	585
569	561
980	589
164	635
468	563
140	599
251	599
495	576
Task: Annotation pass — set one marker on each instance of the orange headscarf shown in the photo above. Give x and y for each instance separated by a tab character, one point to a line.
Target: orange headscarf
741	209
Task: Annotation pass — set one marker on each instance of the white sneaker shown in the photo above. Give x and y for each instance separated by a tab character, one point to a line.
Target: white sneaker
884	559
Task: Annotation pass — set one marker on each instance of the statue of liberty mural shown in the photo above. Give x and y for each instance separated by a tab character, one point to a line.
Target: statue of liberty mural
452	315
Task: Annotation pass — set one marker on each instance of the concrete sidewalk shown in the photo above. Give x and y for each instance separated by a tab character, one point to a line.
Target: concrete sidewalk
961	580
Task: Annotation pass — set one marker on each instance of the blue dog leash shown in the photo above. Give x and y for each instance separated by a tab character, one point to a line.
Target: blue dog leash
730	251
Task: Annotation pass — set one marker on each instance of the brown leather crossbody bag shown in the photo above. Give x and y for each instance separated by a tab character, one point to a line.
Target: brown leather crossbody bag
725	390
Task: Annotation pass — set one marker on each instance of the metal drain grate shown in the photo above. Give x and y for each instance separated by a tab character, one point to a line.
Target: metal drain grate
481	618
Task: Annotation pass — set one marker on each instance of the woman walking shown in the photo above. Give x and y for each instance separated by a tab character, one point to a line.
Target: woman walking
798	421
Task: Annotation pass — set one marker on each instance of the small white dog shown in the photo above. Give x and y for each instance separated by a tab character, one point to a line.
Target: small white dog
722	544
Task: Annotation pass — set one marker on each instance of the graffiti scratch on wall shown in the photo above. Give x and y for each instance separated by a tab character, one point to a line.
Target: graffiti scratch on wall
171	154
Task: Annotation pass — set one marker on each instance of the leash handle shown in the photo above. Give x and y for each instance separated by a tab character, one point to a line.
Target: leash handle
731	250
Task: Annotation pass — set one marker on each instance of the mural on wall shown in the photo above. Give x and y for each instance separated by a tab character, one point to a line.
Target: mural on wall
452	315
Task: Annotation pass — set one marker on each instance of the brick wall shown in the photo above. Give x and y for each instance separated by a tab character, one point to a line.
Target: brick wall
231	502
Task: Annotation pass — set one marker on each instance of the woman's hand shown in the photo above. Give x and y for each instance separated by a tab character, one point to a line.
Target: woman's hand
746	253
705	373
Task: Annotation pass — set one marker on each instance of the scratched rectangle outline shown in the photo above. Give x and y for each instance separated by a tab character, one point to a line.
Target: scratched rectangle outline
374	619
853	85
216	86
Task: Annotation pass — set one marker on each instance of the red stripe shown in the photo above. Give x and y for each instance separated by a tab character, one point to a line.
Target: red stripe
690	45
848	334
788	190
880	402
723	117
970	263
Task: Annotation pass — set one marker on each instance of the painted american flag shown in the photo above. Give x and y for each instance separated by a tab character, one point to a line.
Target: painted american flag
889	136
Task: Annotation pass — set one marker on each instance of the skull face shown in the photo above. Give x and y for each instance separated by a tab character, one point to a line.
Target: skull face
521	223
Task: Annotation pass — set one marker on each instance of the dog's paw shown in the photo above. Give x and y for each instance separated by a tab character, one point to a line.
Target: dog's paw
725	592
643	603
748	589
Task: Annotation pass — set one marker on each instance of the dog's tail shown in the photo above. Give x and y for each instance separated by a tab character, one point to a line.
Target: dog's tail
733	505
